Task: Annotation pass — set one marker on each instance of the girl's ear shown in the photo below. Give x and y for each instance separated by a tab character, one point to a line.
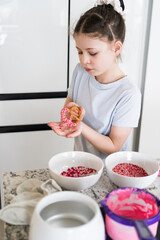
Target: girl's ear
117	47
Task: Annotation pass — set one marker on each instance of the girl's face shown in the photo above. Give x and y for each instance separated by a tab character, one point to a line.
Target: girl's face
96	56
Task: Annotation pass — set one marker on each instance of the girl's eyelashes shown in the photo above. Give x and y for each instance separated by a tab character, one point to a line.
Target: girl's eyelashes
91	54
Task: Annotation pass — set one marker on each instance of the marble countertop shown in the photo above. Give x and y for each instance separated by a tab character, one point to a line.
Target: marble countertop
12	179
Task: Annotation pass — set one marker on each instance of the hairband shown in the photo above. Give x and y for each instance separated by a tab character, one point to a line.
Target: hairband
122	4
118	5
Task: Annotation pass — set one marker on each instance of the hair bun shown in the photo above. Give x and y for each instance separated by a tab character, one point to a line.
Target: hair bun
118	5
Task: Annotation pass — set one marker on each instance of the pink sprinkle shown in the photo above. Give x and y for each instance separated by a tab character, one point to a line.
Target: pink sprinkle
130	170
79	171
66	120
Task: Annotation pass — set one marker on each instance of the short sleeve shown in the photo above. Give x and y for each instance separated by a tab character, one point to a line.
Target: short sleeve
72	85
128	110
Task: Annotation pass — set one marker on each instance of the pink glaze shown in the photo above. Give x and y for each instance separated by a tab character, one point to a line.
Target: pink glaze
138	205
67	121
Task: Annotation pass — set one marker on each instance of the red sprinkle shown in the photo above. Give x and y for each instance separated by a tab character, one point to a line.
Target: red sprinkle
130	170
79	171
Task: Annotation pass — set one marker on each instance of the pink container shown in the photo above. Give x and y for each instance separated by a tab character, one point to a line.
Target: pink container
142	225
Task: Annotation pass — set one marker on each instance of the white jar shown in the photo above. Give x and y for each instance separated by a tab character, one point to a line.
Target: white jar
67	215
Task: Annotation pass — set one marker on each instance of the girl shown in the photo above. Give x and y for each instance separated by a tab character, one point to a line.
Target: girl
109	101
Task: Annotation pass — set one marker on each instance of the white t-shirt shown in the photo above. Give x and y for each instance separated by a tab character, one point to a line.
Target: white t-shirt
106	105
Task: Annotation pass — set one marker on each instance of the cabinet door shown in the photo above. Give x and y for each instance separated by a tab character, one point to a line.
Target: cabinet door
29	112
33	81
33	46
30	150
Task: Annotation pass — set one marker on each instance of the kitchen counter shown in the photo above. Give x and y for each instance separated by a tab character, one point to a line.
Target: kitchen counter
12	179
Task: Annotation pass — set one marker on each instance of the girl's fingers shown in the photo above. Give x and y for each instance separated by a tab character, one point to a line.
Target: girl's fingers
82	112
53	124
76	131
73	134
59	132
60	128
71	104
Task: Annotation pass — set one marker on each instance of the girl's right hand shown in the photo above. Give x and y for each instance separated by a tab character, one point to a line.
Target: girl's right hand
62	129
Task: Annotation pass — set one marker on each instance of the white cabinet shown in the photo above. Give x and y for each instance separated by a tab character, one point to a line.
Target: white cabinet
30	111
33	64
30	150
33	46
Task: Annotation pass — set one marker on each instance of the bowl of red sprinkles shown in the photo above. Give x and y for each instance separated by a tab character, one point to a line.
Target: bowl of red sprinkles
131	169
75	170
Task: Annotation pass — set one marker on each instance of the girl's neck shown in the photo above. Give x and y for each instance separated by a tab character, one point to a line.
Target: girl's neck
113	75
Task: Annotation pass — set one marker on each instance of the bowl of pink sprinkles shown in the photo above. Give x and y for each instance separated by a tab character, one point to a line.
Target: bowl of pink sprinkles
75	170
131	169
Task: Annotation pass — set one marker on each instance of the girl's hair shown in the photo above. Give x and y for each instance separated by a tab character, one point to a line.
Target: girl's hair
102	21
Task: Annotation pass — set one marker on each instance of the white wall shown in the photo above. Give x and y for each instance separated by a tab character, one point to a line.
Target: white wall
150	126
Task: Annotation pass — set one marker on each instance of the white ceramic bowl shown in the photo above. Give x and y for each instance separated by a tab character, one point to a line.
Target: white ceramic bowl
67	215
63	161
149	164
